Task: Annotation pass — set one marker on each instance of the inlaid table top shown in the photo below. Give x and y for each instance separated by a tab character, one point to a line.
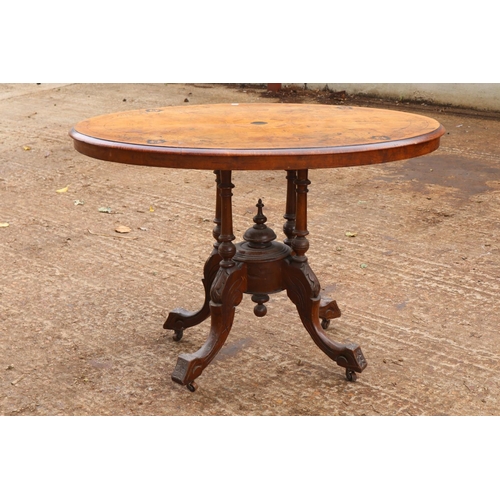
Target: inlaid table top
257	136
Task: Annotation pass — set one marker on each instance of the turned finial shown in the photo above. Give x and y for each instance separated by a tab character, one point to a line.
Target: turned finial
260	219
259	236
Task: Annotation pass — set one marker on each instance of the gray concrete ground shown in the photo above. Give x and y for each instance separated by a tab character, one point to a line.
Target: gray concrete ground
82	307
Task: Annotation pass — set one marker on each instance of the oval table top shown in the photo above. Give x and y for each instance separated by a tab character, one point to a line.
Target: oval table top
257	136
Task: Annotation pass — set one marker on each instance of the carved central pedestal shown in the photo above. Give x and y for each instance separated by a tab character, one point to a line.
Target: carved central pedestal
260	266
264	261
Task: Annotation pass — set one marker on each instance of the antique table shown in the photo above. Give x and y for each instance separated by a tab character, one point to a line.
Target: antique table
288	137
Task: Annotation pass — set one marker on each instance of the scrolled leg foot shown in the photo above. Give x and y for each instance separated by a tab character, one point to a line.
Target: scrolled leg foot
187	369
328	310
351	357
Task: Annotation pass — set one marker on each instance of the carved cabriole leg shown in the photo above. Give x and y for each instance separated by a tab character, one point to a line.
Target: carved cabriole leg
300	289
180	318
190	366
226	293
303	289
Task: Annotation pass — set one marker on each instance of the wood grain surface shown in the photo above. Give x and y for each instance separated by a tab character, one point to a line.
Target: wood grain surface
257	136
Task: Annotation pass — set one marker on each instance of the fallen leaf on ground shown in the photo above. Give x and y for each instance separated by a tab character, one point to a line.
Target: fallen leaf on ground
4	224
350	235
78	202
26	148
151	209
63	190
105	210
123	229
363	266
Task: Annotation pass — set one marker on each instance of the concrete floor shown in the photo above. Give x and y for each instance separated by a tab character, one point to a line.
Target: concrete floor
82	307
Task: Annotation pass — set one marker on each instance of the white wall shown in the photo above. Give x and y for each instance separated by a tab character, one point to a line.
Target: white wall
482	96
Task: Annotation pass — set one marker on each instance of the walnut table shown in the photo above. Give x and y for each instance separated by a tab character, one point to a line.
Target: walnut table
288	137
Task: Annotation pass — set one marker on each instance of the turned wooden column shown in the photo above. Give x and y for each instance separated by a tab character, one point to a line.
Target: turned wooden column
217	219
300	244
291	207
226	237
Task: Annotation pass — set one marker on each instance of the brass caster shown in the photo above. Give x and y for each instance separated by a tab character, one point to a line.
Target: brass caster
325	323
178	334
350	375
192	386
